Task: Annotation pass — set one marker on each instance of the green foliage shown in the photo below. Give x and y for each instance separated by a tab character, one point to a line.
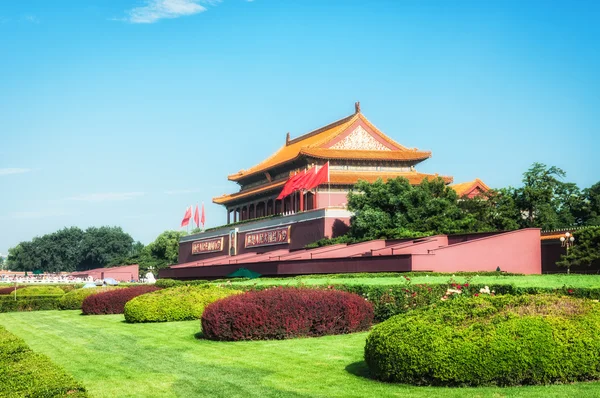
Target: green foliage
70	249
166	283
27	374
396	210
74	299
29	303
586	249
181	303
489	341
163	252
99	246
592	205
40	291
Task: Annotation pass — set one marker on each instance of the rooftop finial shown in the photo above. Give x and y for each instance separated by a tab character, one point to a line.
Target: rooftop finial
287	138
357	107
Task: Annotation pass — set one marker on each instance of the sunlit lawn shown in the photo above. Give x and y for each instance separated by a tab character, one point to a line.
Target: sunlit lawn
549	281
115	359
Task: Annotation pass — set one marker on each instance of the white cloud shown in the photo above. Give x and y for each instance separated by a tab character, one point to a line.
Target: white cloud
155	10
5	172
107	197
182	191
31	19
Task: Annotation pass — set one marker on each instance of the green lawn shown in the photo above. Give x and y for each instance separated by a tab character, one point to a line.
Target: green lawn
115	359
549	281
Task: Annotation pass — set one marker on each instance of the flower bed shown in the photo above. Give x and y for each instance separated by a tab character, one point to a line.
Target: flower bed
113	302
174	304
282	313
486	340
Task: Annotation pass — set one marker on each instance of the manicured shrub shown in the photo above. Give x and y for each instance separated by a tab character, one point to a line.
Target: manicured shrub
113	302
29	303
40	291
166	283
282	313
501	340
74	299
9	290
174	304
27	374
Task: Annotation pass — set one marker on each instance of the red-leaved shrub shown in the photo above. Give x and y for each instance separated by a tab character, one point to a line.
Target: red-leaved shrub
282	313
9	290
113	301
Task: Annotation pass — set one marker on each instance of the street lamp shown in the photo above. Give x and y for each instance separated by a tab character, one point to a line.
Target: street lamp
567	241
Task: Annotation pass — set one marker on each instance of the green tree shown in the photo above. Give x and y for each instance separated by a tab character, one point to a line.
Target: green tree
586	248
163	252
591	197
397	209
494	210
537	199
101	246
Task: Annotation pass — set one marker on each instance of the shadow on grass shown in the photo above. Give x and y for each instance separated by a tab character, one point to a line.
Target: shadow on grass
359	369
199	336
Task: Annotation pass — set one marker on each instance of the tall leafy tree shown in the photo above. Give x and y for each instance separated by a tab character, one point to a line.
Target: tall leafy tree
397	209
591	211
586	249
100	246
537	197
163	252
494	210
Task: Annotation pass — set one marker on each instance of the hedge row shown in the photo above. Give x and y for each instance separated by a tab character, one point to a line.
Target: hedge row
181	303
390	300
9	290
27	374
40	291
113	302
282	313
29	303
166	283
74	299
501	340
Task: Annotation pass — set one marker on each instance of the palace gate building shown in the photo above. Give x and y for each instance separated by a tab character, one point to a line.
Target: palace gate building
261	229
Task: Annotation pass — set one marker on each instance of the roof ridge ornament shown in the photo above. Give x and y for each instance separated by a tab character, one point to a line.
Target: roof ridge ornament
287	139
357	107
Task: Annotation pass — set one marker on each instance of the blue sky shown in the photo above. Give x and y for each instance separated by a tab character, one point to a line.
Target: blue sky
125	112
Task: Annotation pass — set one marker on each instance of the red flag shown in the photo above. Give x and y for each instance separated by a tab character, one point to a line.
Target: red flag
319	178
203	218
186	217
302	182
197	217
288	188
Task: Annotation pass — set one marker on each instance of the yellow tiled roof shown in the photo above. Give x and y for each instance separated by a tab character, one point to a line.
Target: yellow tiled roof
465	187
249	192
351	178
336	177
309	144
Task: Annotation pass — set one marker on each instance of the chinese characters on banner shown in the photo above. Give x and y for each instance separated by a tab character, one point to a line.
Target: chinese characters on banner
275	236
207	246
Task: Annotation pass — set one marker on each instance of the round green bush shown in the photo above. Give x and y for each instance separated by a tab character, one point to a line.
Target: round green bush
40	291
502	340
74	299
174	304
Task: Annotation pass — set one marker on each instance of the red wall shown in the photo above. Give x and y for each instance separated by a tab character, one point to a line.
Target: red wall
516	251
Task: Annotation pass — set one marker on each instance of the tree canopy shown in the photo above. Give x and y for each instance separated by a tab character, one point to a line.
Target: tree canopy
70	249
586	249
